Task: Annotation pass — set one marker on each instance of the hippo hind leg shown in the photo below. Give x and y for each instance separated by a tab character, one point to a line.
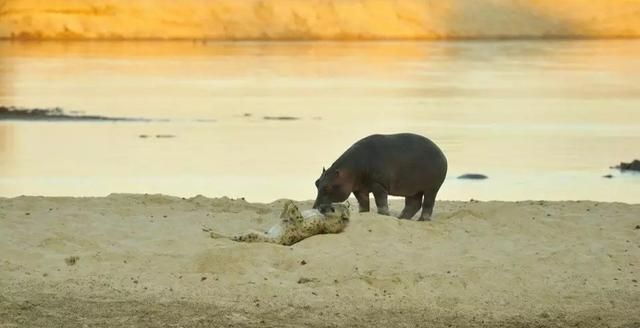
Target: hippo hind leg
427	206
411	206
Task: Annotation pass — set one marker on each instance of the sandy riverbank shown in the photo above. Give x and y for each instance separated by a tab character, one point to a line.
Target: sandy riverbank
145	261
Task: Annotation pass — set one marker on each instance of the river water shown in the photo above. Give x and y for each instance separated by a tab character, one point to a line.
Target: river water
542	119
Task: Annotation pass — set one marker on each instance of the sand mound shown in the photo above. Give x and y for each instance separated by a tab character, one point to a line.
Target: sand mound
143	260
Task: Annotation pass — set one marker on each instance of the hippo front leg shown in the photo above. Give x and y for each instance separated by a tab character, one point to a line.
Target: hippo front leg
363	200
381	196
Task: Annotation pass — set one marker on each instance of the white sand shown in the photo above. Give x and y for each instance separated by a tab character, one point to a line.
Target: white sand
145	261
317	19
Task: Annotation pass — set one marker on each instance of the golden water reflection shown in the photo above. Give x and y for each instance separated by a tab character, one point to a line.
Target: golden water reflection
544	120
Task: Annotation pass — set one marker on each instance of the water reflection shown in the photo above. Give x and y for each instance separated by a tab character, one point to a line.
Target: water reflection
5	75
7	149
542	119
6	135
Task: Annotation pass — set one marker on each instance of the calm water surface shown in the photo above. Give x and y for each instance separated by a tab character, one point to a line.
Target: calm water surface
543	119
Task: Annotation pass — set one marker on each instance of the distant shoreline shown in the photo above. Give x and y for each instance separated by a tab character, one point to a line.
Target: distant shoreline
57	114
494	38
317	20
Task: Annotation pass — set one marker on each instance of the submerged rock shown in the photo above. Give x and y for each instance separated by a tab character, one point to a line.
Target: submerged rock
633	166
473	176
281	118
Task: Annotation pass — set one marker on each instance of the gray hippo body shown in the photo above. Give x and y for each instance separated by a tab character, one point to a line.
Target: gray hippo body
403	164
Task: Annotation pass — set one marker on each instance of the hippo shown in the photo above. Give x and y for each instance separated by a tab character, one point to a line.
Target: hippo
402	164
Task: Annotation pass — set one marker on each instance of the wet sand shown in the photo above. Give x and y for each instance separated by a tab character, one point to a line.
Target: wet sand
145	261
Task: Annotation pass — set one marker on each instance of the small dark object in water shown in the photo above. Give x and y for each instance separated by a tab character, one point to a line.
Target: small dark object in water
281	118
165	136
303	262
638	227
633	166
473	176
143	136
608	176
247	114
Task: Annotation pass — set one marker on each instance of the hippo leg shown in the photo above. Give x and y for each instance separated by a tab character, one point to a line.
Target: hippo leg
380	194
411	206
427	206
363	200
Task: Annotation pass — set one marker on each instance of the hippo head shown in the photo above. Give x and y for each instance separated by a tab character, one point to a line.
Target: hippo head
334	186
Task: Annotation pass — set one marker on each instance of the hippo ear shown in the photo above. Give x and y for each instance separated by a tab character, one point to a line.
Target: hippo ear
323	170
